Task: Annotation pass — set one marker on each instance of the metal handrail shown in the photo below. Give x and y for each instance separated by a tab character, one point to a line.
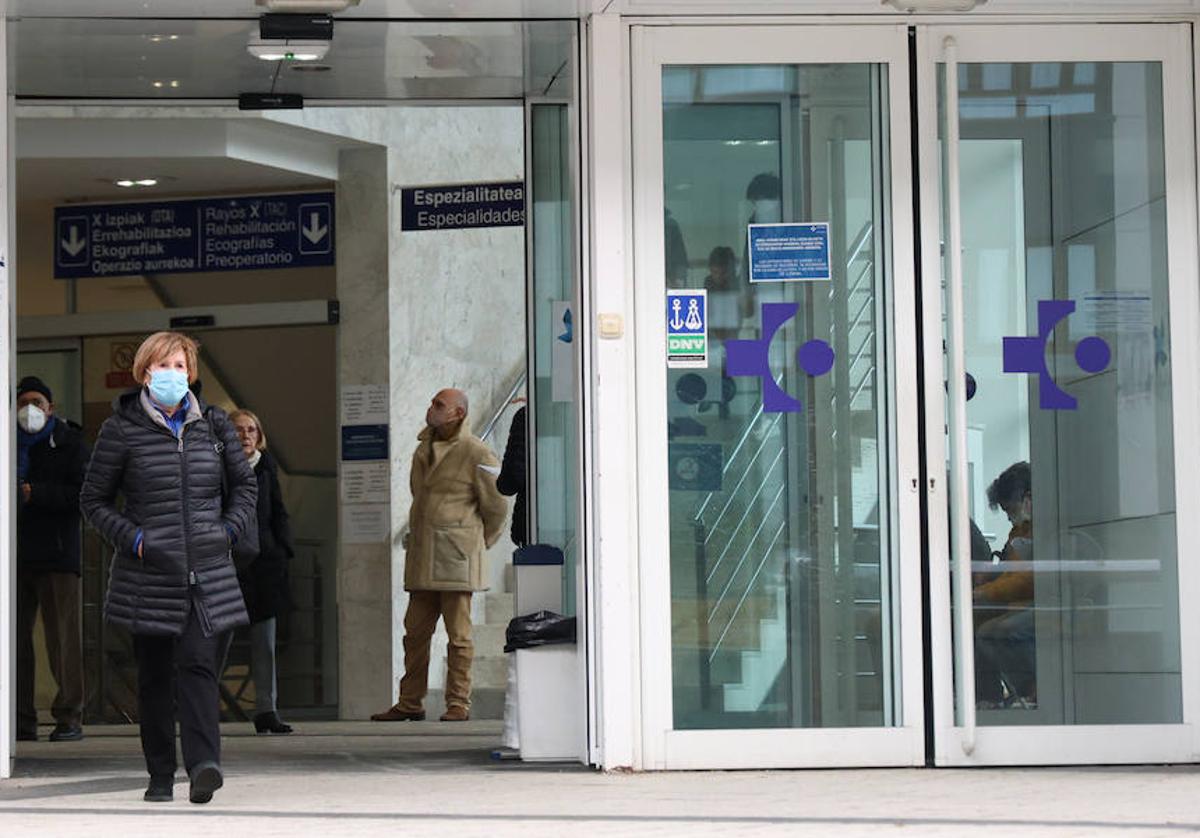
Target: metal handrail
861	384
746	552
745	514
860	241
503	406
745	474
737	449
862	275
738	608
863	347
858	315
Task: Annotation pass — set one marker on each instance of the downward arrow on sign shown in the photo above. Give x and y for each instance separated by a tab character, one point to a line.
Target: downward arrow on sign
74	244
315	231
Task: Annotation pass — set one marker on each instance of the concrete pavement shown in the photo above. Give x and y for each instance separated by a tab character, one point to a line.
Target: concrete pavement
354	778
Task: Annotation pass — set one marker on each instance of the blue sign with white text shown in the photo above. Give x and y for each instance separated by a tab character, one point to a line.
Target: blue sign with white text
364	442
462	206
789	252
206	235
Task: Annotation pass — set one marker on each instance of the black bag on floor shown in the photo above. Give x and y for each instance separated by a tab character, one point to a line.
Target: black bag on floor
541	628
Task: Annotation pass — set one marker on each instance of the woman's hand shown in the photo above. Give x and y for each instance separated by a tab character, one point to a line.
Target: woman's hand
141	549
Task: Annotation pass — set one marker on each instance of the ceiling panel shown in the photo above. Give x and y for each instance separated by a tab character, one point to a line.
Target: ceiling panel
178	60
512	9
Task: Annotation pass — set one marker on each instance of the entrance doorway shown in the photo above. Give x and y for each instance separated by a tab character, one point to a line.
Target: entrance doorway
1018	382
401	311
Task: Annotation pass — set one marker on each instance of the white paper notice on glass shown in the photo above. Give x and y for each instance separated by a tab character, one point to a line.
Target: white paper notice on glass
365	523
364	404
366	482
1116	312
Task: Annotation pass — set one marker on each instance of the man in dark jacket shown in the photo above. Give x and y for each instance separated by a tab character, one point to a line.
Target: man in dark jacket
51	457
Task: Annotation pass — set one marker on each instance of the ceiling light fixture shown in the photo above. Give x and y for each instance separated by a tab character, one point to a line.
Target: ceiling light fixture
934	5
130	183
158	39
327	6
288	50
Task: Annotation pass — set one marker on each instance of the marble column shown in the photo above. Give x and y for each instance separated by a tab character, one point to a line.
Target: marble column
364	579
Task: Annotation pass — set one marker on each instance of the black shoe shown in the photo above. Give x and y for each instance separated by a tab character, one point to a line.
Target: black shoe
64	732
270	723
206	778
160	790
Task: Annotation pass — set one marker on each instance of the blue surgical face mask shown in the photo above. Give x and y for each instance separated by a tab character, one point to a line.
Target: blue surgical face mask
168	387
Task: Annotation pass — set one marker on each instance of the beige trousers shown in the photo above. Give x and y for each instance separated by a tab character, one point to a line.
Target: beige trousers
424	608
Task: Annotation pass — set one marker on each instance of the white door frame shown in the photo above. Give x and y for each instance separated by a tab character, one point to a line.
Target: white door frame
663	747
961	743
8	513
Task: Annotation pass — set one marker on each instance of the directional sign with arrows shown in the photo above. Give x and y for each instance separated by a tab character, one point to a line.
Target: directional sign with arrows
205	235
71	248
315	224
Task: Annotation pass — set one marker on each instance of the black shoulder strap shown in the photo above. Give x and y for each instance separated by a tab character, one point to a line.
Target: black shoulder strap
214	424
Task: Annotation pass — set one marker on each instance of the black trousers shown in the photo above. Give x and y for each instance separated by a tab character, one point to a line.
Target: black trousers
178	676
56	595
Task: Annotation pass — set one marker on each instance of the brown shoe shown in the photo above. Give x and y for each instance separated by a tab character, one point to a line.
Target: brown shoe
456	713
395	714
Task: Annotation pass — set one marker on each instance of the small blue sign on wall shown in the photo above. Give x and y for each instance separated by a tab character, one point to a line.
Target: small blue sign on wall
364	442
789	252
205	235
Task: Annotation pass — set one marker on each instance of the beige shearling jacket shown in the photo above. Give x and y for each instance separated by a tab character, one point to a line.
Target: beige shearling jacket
456	514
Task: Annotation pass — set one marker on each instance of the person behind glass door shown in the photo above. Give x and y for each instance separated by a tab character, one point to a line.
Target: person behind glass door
1004	628
512	478
51	456
765	195
189	496
728	297
675	253
264	579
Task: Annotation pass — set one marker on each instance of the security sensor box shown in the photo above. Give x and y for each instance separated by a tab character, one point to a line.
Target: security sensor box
270	101
276	27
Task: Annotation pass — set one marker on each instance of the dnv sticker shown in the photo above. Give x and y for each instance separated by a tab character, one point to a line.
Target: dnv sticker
687	329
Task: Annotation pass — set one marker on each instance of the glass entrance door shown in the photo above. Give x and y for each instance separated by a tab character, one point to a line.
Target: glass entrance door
781	621
1059	275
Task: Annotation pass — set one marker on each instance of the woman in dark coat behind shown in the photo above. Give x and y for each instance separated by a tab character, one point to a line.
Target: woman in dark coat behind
189	496
511	480
264	578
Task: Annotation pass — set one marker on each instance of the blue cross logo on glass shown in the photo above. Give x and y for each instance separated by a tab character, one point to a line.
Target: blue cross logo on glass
1028	355
752	358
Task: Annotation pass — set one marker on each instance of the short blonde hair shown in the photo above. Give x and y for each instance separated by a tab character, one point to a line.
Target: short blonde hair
249	414
161	345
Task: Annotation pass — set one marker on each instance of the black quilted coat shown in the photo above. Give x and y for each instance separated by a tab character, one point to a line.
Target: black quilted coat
175	493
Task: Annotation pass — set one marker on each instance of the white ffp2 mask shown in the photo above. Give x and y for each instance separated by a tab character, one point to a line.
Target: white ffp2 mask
31	418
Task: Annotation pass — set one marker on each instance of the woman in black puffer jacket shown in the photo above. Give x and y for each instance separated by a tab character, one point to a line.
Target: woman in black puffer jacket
264	577
189	495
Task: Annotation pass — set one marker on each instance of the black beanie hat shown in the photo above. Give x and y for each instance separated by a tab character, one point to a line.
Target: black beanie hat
33	384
